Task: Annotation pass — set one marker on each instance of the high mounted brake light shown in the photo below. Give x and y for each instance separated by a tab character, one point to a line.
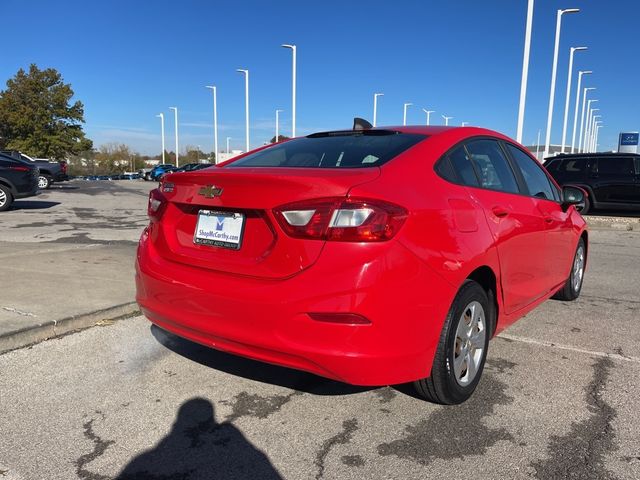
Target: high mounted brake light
340	219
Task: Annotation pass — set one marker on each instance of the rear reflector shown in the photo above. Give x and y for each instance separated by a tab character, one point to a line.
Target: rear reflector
156	206
20	169
341	318
341	219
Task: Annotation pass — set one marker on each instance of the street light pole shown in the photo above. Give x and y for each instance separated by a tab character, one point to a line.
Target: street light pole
375	107
161	115
175	109
277	126
595	143
428	112
587	126
228	138
575	115
464	124
593	131
293	94
584	100
404	117
246	105
215	122
446	120
568	96
554	71
525	71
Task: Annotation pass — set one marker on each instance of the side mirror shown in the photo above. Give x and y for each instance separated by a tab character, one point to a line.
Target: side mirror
573	196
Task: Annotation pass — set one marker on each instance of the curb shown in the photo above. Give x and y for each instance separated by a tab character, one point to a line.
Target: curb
615	223
56	328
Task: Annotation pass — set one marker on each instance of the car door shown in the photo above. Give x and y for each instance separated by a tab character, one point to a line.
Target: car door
636	161
560	238
515	221
613	179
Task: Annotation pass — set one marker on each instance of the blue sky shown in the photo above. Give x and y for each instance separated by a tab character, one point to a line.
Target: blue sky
128	61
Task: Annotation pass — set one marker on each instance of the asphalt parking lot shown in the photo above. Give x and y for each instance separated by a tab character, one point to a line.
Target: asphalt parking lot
558	399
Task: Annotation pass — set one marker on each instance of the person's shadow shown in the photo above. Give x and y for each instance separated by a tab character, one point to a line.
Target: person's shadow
199	447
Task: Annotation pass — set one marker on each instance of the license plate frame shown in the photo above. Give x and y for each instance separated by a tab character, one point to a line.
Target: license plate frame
215	237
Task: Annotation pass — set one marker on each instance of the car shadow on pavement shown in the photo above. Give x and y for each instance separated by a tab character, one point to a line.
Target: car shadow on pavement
32	204
252	369
198	446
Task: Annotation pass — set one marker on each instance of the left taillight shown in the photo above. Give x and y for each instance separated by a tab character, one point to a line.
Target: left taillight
340	219
156	206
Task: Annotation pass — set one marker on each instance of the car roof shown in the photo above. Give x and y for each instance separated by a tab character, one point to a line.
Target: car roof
590	155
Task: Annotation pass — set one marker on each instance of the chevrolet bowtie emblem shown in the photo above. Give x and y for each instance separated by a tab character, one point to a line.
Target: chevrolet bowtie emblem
210	191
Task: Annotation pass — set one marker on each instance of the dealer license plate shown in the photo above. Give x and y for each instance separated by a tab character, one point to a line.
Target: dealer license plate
219	229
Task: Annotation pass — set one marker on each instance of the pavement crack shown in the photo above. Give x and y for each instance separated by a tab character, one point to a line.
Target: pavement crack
99	447
19	312
580	453
344	437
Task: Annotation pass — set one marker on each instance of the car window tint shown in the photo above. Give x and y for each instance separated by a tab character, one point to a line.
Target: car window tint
463	168
537	181
552	166
573	166
333	150
615	166
492	166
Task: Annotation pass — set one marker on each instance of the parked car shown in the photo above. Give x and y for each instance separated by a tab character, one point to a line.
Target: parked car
145	173
18	179
160	170
612	180
50	172
374	257
192	166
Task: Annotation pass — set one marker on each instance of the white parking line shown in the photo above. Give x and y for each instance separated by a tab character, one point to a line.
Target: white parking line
614	356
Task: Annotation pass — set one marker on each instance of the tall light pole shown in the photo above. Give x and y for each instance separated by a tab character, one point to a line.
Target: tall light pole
464	124
575	115
293	87
246	105
584	99
538	147
175	110
215	122
228	138
572	50
592	134
595	142
404	117
446	120
161	115
278	125
428	112
525	71
554	71
375	107
587	125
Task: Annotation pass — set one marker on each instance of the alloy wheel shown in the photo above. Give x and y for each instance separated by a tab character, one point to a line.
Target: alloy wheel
578	268
3	198
469	344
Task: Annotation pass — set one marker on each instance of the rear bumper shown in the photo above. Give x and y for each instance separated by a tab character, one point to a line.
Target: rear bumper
267	319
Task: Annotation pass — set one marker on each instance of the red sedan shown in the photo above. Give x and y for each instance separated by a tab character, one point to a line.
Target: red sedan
374	257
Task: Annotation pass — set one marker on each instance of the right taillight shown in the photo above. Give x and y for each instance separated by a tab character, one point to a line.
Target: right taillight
156	205
340	219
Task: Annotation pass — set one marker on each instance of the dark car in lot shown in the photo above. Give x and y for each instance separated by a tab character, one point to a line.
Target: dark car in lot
611	179
18	179
50	172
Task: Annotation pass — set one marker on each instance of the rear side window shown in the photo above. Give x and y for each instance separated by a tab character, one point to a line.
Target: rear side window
536	180
351	149
615	166
462	166
492	166
573	167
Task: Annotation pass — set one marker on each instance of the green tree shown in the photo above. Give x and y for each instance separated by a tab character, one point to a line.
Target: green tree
38	118
280	138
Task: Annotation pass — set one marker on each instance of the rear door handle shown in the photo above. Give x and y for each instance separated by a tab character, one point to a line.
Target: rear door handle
500	211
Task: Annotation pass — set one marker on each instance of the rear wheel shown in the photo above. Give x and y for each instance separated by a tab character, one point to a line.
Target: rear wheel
44	182
573	286
6	199
462	350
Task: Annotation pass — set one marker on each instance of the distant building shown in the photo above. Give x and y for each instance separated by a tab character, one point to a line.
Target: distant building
538	151
224	156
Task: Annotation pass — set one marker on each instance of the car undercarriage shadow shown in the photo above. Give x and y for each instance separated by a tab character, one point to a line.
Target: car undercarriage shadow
252	369
32	205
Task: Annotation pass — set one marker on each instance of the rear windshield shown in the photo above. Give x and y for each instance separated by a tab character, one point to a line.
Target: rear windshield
334	150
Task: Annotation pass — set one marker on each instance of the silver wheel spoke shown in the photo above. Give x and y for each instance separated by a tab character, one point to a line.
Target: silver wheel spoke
458	363
477	340
468	349
471	367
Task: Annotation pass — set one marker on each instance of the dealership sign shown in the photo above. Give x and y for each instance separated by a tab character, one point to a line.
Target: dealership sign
628	142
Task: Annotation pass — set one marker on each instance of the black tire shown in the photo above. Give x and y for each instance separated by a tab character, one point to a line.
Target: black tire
443	386
44	182
587	206
573	286
6	199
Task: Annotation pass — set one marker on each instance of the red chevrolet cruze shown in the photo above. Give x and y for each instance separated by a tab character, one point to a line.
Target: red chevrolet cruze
374	257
